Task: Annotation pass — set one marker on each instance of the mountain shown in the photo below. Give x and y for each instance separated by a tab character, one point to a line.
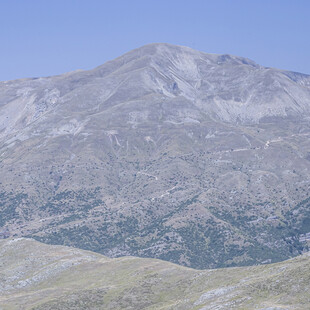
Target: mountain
55	277
165	152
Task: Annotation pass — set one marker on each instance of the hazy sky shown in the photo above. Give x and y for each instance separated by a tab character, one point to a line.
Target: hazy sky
47	37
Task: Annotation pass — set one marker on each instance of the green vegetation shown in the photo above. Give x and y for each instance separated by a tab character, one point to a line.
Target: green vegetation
226	238
57	277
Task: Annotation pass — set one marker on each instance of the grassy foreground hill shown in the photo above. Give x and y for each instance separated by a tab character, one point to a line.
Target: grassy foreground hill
39	276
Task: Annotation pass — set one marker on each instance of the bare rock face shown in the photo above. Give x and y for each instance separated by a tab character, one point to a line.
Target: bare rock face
166	152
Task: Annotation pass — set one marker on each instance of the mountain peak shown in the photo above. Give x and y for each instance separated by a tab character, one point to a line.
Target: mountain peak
171	50
224	87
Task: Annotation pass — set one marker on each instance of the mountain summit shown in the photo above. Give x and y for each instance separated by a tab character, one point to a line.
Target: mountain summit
167	152
225	87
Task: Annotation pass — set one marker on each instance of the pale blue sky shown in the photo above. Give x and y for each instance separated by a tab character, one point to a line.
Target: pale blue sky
47	37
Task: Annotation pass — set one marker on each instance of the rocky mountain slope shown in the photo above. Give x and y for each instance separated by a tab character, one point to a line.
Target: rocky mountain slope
39	276
164	152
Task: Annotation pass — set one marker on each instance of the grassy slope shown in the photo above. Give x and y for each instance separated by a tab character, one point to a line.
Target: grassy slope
39	276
